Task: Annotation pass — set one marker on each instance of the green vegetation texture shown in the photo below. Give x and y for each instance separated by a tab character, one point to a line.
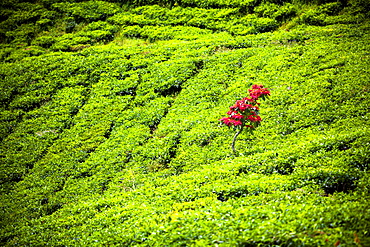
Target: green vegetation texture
110	131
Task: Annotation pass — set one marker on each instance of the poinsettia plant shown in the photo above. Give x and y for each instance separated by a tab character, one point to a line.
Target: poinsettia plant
244	114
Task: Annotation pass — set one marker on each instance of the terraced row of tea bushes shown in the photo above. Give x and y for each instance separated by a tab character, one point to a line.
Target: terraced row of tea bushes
202	4
337	12
94	32
246	5
228	19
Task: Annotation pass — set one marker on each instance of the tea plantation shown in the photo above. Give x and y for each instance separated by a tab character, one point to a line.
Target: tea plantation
110	123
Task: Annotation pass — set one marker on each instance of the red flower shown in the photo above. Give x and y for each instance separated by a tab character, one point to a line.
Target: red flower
229	121
233	107
226	121
242	107
258	91
237	122
231	112
249	99
257	86
237	116
254	118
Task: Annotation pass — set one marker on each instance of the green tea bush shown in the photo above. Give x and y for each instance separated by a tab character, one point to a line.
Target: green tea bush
29	51
90	10
275	11
18	20
44	41
23	34
336	12
224	19
94	32
318	16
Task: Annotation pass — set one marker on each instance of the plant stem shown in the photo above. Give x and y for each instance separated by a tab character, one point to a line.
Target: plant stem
235	136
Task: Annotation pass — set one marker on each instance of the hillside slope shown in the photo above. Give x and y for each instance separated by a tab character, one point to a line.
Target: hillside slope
110	131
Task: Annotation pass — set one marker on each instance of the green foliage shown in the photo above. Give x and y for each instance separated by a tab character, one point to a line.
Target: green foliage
92	33
110	135
336	12
275	11
89	10
228	19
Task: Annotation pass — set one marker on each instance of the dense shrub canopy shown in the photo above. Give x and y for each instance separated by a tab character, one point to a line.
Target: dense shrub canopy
110	131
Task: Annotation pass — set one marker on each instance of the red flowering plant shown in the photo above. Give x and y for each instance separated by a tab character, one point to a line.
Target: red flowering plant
244	113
